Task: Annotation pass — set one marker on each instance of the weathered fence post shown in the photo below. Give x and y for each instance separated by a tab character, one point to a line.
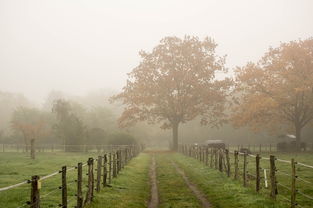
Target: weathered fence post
64	188
79	194
227	162
293	184
236	165
35	194
99	168
220	160
114	165
206	156
257	169
216	158
119	161
89	194
245	162
211	158
105	171
110	167
274	191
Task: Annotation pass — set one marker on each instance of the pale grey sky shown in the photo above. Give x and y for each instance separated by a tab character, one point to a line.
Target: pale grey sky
77	46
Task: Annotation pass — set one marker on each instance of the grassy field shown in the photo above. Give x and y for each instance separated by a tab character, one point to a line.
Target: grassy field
304	182
18	167
132	188
220	190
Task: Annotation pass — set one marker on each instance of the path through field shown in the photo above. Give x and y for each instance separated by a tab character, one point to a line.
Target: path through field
154	195
201	197
164	179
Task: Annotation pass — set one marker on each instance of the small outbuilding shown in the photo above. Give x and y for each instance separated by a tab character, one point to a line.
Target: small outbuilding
215	144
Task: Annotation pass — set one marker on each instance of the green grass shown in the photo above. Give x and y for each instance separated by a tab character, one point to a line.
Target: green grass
130	189
283	175
173	191
220	190
18	167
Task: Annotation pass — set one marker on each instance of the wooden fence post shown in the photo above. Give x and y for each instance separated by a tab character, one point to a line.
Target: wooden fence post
206	156
110	167
216	158
245	162
79	194
236	165
220	160
99	168
119	165
274	191
105	171
64	188
35	194
293	184
89	194
227	162
211	158
257	169
114	165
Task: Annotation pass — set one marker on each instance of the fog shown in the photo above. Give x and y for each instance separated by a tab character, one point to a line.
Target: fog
82	46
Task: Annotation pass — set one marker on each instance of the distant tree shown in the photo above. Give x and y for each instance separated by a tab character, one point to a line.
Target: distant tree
174	84
97	136
277	91
101	117
9	102
121	139
31	123
68	126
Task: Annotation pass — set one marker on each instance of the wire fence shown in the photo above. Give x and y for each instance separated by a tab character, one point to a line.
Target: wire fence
58	148
286	180
73	186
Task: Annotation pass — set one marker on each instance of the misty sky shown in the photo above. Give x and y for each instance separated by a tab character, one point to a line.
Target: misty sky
79	46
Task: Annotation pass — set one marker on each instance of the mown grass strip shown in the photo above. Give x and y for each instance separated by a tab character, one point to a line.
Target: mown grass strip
222	191
173	191
130	189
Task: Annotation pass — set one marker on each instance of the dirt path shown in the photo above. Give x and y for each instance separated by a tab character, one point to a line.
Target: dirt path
154	200
201	197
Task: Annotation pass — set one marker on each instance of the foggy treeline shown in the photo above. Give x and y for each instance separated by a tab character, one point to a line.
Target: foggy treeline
97	123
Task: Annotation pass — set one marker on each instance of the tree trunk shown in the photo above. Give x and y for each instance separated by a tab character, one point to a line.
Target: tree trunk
298	137
175	137
32	148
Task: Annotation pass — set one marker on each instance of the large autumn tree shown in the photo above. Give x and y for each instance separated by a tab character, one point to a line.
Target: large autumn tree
174	84
277	91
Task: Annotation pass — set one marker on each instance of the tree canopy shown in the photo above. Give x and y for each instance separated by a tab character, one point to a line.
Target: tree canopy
277	91
174	84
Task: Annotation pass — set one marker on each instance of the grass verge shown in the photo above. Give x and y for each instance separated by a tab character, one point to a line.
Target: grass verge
130	189
173	191
222	191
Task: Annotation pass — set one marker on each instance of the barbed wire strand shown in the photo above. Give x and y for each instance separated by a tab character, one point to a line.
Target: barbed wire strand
305	195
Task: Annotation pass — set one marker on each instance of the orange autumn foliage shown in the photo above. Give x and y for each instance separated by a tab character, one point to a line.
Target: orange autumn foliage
174	84
277	91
